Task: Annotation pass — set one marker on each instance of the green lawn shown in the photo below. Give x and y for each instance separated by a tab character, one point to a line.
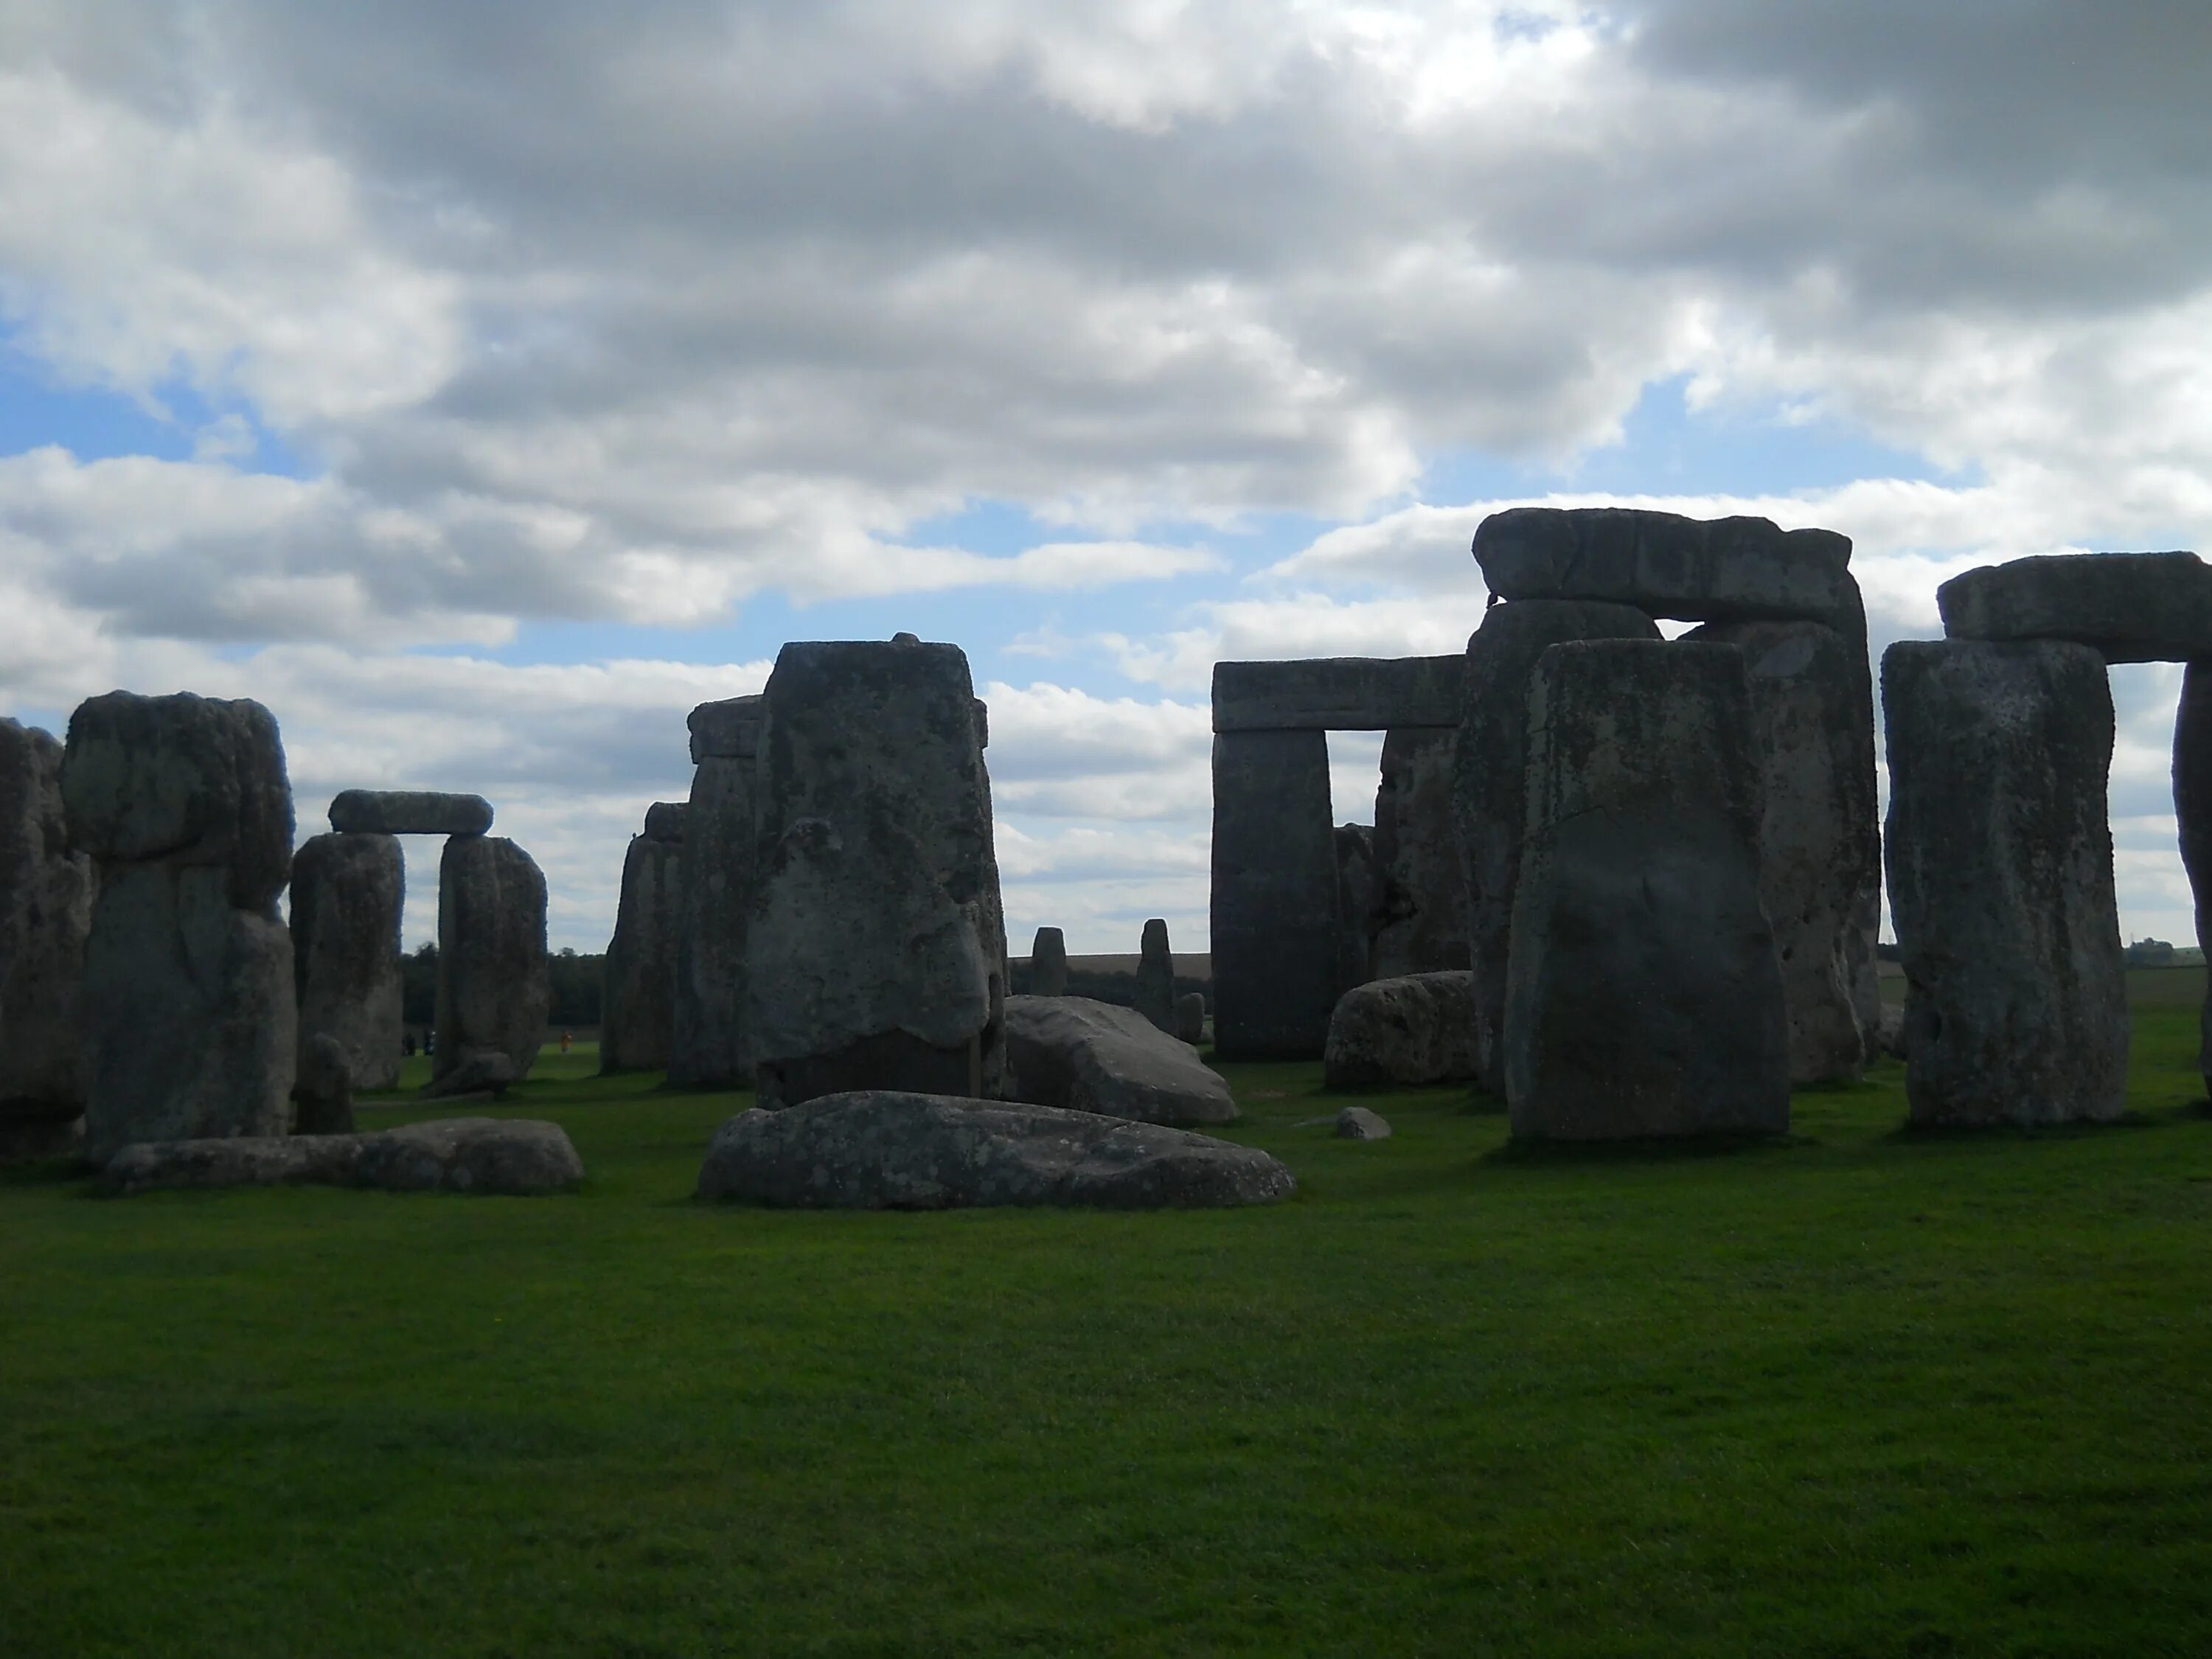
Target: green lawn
1866	1393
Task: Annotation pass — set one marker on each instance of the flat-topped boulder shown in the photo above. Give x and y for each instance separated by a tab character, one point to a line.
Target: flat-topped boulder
1093	1057
1414	1028
2130	607
1736	569
409	812
517	1157
880	1150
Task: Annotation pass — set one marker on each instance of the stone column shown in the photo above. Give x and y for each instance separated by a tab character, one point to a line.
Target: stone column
1155	992
2000	856
709	1048
494	987
347	891
1274	920
45	912
1420	898
1355	905
2192	811
1048	963
638	1019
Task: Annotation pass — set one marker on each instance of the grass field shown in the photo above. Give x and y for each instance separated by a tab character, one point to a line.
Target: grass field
1866	1393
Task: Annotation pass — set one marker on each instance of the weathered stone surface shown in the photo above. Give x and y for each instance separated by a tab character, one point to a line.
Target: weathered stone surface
1336	694
323	1097
1891	1029
1355	904
1190	1017
1048	963
1644	997
1155	989
1820	847
474	1072
409	812
494	988
1420	905
2130	607
2192	810
876	945
1276	933
876	1150
1489	798
663	821
637	1027
708	1046
2000	881
347	891
1740	569
46	914
1093	1057
1412	1028
1358	1123
512	1156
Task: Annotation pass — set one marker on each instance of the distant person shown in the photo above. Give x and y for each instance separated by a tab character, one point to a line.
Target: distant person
407	1045
430	1041
565	1040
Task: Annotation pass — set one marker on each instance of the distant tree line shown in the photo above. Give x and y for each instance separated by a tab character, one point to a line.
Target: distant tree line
577	983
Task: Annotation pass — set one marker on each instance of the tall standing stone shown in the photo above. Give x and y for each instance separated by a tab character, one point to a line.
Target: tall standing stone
708	1046
1276	928
189	1022
637	1023
46	913
1355	905
1644	996
1048	963
876	949
1489	798
1419	921
495	987
1156	993
2192	811
347	891
2000	860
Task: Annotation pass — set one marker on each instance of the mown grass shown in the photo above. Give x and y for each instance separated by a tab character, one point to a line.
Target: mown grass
1867	1392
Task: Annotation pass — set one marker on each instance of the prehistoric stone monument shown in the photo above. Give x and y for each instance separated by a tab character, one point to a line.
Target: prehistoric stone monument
1093	1057
1355	903
348	891
1414	1028
189	1018
1048	963
709	1046
1156	976
494	988
46	913
637	1024
1417	919
876	950
409	812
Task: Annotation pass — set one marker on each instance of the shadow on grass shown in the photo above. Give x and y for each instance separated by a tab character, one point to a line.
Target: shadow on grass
1936	1134
1654	1149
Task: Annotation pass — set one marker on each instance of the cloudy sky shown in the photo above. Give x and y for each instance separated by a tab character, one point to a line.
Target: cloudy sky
481	387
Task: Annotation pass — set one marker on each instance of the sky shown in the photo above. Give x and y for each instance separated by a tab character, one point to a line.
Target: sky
479	387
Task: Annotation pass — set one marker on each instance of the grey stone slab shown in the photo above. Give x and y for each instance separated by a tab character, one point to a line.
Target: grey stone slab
1091	1056
2192	811
1339	694
409	812
348	890
728	730
1155	989
493	1157
1355	904
663	821
46	890
710	1048
323	1097
2129	607
494	986
637	1026
1738	569
1411	1028
1418	921
1190	1017
1276	933
1048	963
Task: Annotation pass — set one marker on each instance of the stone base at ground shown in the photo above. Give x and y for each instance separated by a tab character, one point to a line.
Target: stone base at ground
1093	1057
1417	1028
1190	1017
324	1095
876	1150
477	1072
515	1157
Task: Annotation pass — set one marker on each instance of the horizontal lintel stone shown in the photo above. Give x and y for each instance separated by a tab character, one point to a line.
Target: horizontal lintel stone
1338	694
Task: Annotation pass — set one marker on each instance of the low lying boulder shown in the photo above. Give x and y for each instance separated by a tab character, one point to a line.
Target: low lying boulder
1418	1028
879	1150
485	1072
1358	1123
516	1157
1090	1056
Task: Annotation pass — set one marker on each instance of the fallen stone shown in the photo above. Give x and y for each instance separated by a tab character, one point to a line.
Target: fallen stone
2192	811
1190	1017
511	1156
1418	910
1092	1057
1358	1123
1414	1028
409	812
348	893
637	1026
879	1150
46	914
708	1045
1048	963
474	1073
1156	991
494	984
2128	607
323	1097
2000	881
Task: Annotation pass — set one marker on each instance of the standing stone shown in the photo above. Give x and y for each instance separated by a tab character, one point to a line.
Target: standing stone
2000	881
876	948
708	1046
1418	1028
494	985
1155	977
1819	850
1420	922
348	891
1355	904
1489	799
2192	810
1275	929
190	1023
1190	1017
1643	996
1048	963
638	1019
409	812
324	1092
46	913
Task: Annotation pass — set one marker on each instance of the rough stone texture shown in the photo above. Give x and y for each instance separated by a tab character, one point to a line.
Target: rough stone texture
1276	928
2192	808
409	812
709	1048
663	821
1336	694
1355	904
1048	963
324	1095
1093	1057
1156	991
1358	1123
1489	799
1420	905
190	1021
1820	847
2130	607
637	1027
876	1150
1738	569
1414	1028
876	947
2000	881
347	891
1644	996
512	1156
473	1072
494	988
46	914
1891	1028
1190	1017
